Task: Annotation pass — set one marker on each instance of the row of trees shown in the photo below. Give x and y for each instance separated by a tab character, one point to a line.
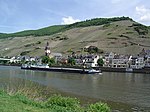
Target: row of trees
97	21
141	29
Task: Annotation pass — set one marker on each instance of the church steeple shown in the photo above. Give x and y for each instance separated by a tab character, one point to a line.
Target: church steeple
47	49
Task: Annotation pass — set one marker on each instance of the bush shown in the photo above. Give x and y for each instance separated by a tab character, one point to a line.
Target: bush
100	62
71	61
24	53
45	59
51	61
141	29
63	104
38	42
93	49
98	107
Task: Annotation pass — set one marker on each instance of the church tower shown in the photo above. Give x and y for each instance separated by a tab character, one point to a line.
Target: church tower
47	49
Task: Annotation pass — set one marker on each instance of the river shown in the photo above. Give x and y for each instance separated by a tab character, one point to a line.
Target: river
130	92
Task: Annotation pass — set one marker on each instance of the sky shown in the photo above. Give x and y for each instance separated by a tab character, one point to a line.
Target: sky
19	15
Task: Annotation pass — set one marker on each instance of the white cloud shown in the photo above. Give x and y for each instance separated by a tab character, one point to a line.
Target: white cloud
69	20
143	13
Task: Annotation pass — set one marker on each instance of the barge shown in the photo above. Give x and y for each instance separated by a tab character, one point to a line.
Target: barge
61	69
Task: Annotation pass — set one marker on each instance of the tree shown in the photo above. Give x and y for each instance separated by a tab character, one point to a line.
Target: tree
100	62
51	61
71	61
45	59
92	49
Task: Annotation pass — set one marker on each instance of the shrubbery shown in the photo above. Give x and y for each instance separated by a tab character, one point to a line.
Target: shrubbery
98	107
63	104
47	60
93	49
71	61
141	29
97	21
55	103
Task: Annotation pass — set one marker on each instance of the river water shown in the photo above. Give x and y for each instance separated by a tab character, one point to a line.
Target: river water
130	92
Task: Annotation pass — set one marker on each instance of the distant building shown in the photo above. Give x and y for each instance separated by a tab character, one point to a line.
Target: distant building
146	55
117	60
120	61
57	56
108	59
147	62
91	60
47	49
137	62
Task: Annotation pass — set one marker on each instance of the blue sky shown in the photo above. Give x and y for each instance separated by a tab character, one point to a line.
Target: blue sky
18	15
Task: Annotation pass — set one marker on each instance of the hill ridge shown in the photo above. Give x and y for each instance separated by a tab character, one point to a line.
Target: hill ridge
59	28
121	36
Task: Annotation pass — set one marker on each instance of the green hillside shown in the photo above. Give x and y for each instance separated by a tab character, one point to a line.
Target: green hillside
59	28
40	32
121	35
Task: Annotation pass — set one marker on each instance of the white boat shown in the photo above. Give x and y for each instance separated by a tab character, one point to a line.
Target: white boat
129	70
40	66
25	66
93	71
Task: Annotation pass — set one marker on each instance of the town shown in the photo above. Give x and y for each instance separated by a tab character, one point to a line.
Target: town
88	60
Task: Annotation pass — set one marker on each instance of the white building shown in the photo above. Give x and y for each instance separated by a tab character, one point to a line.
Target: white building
137	62
120	61
91	60
108	59
147	62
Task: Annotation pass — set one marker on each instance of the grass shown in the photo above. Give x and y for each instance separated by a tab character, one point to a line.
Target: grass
16	103
56	103
32	97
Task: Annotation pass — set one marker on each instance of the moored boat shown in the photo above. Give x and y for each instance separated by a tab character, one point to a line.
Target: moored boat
60	69
93	71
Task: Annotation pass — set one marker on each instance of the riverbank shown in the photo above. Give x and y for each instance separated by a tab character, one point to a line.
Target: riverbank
20	103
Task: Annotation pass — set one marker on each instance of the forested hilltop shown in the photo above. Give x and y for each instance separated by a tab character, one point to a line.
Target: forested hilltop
59	28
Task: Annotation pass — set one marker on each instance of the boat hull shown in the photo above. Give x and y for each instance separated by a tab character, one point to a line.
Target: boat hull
61	69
